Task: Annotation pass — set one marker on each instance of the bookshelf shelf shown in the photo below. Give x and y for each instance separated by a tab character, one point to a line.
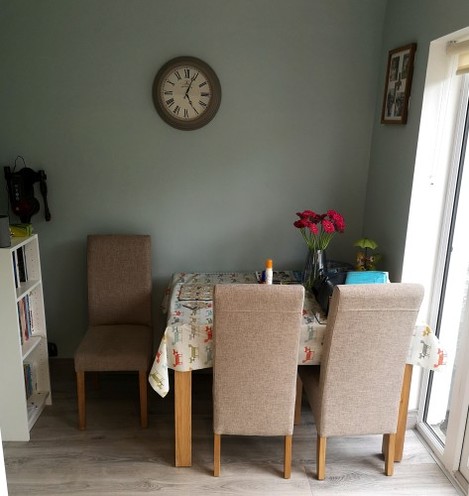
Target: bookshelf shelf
24	358
30	345
35	406
25	288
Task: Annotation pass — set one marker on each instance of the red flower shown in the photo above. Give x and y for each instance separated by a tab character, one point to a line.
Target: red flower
306	214
301	223
318	229
328	226
337	220
340	224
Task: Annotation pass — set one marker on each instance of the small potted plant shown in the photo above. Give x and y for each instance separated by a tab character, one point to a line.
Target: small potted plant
366	260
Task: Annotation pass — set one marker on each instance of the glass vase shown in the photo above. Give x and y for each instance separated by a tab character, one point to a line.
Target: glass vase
314	268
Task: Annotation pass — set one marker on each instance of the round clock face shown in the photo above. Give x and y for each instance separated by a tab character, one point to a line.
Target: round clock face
186	93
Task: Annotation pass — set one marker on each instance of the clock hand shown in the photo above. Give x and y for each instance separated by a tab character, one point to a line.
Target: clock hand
190	102
190	84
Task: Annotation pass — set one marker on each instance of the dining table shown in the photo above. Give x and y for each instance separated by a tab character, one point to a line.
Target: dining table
187	345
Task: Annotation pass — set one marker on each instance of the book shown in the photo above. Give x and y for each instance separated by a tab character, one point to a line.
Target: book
29	379
366	277
19	325
281	277
21	261
27	311
15	269
30	316
22	316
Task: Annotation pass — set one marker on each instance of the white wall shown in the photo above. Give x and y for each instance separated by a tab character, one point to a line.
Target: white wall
299	82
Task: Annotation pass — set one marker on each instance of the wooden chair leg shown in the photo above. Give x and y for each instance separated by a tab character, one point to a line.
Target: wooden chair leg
321	457
287	457
403	411
81	401
385	445
142	380
216	455
299	393
390	444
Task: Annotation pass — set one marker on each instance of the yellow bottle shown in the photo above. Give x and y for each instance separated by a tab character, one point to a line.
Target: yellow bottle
269	272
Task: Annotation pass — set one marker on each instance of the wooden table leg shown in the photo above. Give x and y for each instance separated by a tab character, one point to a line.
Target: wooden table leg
299	393
403	411
183	419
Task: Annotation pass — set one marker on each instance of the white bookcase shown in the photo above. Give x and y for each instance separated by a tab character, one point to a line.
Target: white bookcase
24	361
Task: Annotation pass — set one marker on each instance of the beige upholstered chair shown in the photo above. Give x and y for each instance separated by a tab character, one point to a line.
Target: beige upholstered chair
256	338
119	335
356	389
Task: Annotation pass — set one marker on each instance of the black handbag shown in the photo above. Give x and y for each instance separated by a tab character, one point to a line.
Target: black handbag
335	273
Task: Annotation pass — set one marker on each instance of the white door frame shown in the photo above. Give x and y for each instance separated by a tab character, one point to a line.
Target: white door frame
434	176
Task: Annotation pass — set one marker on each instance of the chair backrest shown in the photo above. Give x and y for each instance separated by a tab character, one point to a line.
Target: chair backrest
256	337
119	279
367	339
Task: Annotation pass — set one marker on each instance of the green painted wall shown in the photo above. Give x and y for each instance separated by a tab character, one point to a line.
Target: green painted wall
394	147
300	81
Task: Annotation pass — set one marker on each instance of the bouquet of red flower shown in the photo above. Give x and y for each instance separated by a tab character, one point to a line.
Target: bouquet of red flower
318	229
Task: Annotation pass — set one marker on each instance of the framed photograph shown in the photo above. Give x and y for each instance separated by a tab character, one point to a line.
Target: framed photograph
398	84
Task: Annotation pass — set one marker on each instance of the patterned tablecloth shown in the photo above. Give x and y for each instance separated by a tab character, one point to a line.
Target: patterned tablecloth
187	341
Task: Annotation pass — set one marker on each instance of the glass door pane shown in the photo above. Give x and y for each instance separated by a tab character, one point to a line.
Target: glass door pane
464	463
451	321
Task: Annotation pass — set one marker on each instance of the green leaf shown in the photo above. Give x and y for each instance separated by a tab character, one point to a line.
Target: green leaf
366	243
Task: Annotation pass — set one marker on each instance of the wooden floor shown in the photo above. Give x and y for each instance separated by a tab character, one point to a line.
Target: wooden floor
115	457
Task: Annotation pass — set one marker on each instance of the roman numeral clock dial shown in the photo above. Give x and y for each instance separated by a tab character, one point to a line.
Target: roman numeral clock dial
186	93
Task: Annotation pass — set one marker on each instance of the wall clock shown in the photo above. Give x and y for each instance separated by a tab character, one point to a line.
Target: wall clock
186	93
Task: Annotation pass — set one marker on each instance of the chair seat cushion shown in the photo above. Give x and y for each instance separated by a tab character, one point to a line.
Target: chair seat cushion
115	347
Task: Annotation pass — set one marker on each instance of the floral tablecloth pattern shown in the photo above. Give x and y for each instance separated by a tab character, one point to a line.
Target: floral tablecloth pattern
187	341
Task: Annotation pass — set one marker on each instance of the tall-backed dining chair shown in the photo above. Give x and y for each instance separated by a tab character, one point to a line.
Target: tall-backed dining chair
255	337
119	335
356	389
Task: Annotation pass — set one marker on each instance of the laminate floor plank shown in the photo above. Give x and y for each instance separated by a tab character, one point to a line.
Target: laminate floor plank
115	457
